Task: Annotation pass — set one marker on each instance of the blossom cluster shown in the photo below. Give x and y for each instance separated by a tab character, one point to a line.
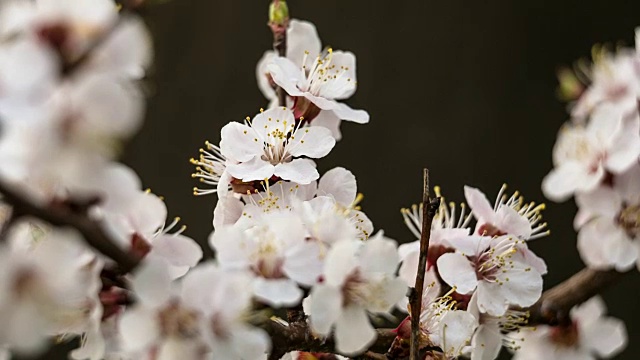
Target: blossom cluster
285	236
596	160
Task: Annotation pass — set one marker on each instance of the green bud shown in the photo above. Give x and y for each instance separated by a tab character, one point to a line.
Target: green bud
278	13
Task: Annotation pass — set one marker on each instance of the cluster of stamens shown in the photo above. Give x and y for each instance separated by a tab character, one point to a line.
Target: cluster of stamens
209	168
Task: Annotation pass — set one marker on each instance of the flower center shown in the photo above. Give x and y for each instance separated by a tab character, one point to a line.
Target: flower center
176	321
565	336
629	220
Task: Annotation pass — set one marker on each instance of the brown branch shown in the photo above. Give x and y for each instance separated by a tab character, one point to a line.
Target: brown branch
91	230
300	338
555	304
415	296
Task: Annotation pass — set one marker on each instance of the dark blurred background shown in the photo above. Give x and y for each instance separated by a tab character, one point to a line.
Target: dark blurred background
466	88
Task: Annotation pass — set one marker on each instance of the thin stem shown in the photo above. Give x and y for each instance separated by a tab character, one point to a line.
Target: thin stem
415	297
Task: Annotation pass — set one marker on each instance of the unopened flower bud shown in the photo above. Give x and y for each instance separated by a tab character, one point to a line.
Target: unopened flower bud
279	13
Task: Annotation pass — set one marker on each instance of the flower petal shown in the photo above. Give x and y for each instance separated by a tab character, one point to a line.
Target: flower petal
339	183
456	270
329	120
239	142
311	141
353	330
301	171
254	169
277	292
324	308
344	112
479	204
287	75
177	250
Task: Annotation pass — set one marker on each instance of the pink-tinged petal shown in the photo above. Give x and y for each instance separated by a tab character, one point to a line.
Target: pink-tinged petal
533	260
324	308
479	204
603	245
277	292
302	36
457	271
628	186
606	337
329	120
353	330
304	262
240	142
232	247
624	149
321	102
521	285
227	211
341	261
152	282
263	75
248	343
339	183
313	141
287	75
254	169
490	299
301	171
391	291
409	267
177	250
224	184
590	311
486	343
139	328
379	255
147	214
569	177
511	222
470	245
602	201
344	112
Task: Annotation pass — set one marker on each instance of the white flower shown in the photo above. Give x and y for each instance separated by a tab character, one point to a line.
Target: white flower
301	36
141	226
160	323
610	143
446	225
223	300
272	146
609	221
492	267
49	288
330	77
275	249
509	216
358	277
445	327
615	81
489	338
591	335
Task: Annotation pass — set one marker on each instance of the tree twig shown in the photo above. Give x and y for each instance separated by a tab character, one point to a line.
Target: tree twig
415	296
91	230
555	304
300	338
